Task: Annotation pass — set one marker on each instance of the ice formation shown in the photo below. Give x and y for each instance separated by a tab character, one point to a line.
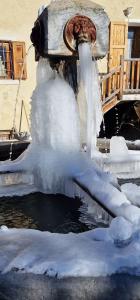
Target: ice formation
90	80
54	156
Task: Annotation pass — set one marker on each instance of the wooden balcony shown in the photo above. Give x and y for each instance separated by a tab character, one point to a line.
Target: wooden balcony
121	84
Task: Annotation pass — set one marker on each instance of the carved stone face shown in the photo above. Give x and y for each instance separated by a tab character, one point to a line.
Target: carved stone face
79	29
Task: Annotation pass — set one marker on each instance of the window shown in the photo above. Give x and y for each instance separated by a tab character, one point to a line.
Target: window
130	41
12	62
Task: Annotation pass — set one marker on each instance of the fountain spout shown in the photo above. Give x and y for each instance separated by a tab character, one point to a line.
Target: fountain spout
79	29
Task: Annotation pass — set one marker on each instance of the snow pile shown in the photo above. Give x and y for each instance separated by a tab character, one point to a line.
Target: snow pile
118	146
137	142
119	152
121	231
93	253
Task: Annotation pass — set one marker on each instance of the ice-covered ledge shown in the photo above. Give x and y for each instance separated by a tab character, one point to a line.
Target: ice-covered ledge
121	161
123	167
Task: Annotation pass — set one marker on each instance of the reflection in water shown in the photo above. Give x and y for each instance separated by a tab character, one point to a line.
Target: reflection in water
54	213
44	212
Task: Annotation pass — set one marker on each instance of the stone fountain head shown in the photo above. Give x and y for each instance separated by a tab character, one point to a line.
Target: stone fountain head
64	24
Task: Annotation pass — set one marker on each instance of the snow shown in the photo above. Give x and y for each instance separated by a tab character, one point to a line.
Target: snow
92	253
118	146
132	191
119	152
121	229
137	142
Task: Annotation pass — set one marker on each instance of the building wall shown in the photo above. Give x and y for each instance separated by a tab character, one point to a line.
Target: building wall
17	18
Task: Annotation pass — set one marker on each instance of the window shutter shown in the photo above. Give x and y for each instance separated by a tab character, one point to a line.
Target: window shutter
118	43
19	63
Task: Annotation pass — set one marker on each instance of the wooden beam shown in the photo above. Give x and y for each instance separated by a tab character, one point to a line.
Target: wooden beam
113	71
110	105
111	96
138	75
132	75
132	59
121	77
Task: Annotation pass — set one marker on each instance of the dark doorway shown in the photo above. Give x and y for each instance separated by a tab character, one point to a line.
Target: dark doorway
134	41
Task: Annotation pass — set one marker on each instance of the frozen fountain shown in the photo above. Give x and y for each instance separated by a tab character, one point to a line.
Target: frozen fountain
55	161
81	27
60	125
60	130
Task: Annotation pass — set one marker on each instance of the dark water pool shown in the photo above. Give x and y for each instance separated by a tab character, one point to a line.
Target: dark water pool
54	213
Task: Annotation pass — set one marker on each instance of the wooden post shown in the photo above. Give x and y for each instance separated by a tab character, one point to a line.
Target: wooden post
26	116
132	74
121	77
138	75
21	116
109	85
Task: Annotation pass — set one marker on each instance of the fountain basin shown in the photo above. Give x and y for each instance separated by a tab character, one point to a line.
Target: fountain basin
13	146
37	287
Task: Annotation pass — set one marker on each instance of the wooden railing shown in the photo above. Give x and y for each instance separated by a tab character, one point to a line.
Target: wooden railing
110	84
124	79
131	80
